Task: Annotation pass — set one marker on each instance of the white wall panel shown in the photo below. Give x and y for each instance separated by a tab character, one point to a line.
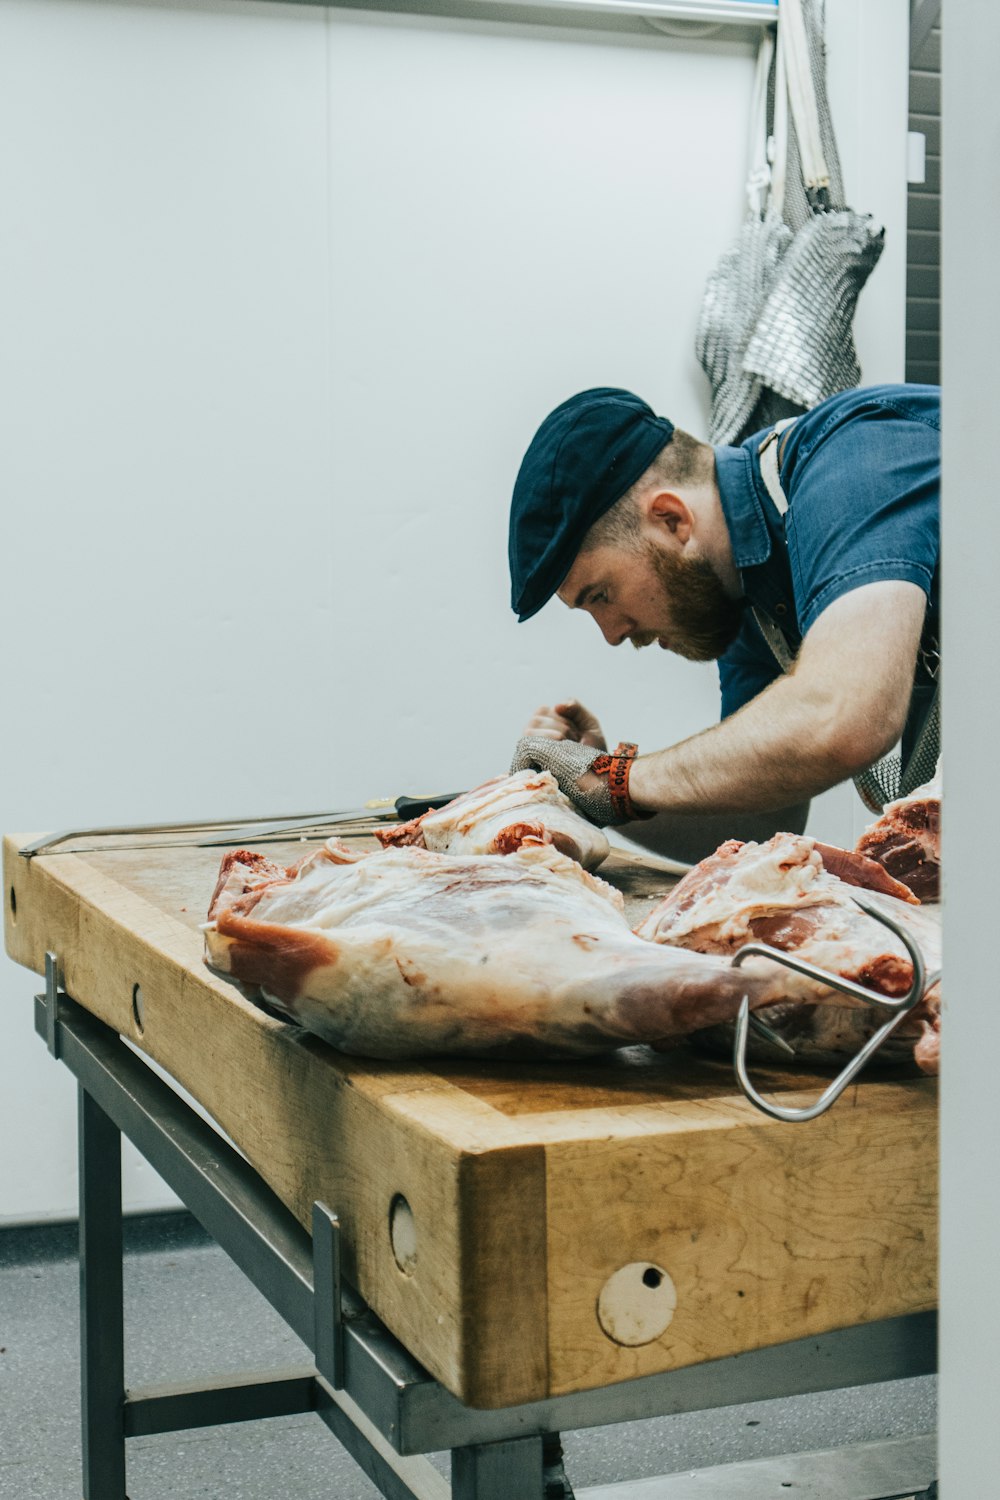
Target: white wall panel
165	452
868	61
286	293
516	215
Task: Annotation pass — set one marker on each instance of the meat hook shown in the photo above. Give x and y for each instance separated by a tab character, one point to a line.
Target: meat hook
900	1007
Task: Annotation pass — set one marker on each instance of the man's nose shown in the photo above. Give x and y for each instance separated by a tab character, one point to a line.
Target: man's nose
614	631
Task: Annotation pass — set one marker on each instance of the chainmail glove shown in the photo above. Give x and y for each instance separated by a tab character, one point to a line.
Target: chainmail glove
568	761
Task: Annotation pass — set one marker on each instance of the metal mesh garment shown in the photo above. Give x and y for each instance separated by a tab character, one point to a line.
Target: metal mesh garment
801	349
775	332
736	291
803	344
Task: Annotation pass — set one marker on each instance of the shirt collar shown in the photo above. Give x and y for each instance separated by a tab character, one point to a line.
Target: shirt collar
741	506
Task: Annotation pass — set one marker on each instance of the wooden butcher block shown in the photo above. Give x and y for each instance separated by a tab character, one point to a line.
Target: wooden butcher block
525	1230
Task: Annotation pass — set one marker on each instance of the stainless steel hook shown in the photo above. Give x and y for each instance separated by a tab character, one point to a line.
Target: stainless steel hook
900	1007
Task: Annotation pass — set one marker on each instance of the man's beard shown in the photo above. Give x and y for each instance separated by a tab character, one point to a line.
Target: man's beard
707	619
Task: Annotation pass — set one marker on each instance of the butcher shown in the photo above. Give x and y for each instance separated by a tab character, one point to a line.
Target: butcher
804	561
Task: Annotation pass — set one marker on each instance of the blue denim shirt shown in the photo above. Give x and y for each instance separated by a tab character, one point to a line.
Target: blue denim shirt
862	476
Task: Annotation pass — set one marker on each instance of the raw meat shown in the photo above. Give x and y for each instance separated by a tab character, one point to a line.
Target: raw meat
503	815
907	839
783	893
407	952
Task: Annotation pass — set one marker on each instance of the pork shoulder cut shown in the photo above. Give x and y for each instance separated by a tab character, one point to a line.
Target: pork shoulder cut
408	952
502	815
798	896
906	839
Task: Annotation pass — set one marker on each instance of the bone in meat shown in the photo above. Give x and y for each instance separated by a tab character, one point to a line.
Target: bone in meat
502	815
906	839
407	952
782	892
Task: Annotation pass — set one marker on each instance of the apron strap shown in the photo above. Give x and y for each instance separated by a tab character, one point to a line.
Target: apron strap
769	472
767	453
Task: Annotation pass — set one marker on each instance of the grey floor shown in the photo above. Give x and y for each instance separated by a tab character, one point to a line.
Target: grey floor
190	1313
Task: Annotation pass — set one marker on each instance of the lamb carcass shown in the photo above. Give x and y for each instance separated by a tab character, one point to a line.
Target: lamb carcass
407	952
501	816
797	896
906	839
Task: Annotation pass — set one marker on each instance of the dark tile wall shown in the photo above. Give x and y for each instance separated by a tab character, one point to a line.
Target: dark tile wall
923	239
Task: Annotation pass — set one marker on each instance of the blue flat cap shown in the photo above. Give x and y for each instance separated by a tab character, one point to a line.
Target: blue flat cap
583	458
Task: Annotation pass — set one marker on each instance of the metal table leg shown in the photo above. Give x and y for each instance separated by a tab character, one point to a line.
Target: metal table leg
102	1352
555	1478
497	1471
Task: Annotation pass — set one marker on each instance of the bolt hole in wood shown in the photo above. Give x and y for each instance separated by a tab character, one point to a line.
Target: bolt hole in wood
403	1234
138	1009
637	1304
13	904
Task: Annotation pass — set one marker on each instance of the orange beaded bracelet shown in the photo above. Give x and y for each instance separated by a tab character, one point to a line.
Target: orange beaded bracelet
616	767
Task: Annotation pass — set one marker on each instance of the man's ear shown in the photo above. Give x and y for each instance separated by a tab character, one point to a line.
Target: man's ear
664	508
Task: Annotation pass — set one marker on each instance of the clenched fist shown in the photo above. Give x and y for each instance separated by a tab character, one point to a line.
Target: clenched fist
566	721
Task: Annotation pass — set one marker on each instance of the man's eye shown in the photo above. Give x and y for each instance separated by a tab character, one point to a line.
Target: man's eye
600	598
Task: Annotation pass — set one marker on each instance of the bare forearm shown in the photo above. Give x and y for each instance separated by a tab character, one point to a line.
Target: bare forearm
781	749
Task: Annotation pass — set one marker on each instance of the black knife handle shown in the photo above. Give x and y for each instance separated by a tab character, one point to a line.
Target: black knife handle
413	807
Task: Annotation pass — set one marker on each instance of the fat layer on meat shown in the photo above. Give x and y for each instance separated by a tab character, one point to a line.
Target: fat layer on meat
503	815
408	952
784	893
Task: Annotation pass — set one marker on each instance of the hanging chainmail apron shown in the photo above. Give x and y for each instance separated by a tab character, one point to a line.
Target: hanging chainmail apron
775	332
888	779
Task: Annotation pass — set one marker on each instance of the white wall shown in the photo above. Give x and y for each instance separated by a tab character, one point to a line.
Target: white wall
287	291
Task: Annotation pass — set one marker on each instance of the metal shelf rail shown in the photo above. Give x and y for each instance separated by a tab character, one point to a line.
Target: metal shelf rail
693	18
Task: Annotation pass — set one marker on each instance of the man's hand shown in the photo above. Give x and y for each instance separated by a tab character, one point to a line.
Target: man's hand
570	764
566	721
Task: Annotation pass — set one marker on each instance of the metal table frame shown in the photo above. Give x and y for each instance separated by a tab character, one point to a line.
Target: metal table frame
371	1393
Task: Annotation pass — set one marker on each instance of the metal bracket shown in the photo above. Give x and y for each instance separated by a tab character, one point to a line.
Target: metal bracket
900	1008
328	1315
52	993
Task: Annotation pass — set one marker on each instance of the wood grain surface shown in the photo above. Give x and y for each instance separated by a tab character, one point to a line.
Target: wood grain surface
530	1186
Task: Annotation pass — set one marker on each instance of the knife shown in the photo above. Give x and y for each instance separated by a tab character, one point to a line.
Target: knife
376	811
403	809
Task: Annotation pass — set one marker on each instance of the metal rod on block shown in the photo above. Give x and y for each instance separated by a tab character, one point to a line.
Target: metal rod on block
898	1006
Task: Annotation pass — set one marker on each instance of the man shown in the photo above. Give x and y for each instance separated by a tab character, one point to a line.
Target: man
805	561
